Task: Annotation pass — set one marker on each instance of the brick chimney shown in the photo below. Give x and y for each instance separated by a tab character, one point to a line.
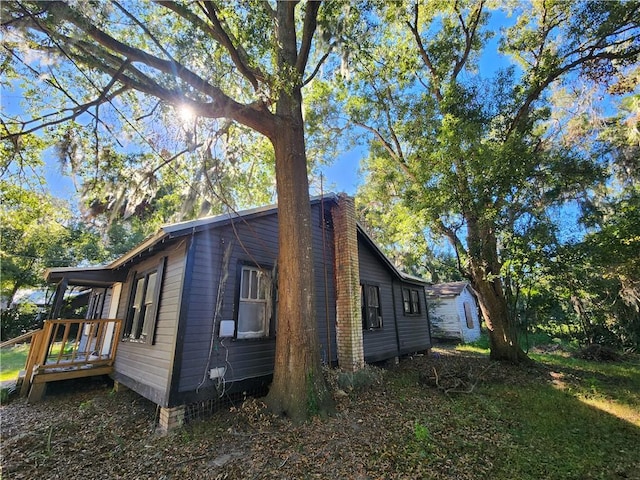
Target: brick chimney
347	272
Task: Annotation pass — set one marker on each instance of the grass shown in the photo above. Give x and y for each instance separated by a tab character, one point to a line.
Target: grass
613	387
554	436
526	341
584	426
12	360
539	421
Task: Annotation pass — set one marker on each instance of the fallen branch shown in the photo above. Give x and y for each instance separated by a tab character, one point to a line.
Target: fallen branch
454	382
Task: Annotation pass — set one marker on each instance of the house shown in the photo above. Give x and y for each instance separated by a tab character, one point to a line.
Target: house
454	311
198	303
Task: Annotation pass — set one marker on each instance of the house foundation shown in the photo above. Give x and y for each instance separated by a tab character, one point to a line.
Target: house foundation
119	386
171	418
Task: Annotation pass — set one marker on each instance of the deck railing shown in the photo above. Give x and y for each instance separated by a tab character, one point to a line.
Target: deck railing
65	347
21	339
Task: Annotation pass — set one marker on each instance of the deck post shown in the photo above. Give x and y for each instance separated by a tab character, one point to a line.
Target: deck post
119	387
37	392
32	358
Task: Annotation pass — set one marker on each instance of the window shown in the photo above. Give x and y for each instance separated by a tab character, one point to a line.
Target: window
406	300
467	315
254	306
371	313
415	301
96	304
411	301
94	311
143	306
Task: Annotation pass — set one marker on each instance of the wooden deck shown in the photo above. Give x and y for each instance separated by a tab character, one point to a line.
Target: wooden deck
65	349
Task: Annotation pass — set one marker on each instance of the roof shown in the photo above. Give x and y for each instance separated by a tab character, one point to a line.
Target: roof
451	289
173	231
399	273
180	229
80	275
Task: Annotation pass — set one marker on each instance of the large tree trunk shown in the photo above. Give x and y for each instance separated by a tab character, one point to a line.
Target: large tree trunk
298	389
485	277
503	338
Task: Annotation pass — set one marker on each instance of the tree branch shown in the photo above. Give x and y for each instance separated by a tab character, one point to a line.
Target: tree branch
237	53
76	111
64	12
536	91
453	238
308	30
435	80
174	157
143	27
600	48
255	116
469	34
319	64
397	156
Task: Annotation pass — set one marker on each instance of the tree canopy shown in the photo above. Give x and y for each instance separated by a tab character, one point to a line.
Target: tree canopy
472	154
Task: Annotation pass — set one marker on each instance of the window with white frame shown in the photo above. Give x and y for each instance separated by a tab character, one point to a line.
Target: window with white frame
254	306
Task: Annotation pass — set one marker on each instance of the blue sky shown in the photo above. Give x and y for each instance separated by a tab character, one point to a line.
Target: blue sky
342	174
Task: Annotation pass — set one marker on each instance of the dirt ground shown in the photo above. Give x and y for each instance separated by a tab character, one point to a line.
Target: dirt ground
85	430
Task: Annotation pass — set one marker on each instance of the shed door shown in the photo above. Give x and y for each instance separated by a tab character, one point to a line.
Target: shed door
468	315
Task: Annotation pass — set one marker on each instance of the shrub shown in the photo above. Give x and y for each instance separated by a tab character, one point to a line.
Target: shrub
598	353
18	320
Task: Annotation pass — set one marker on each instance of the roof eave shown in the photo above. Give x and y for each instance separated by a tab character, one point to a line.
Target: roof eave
86	277
405	277
146	245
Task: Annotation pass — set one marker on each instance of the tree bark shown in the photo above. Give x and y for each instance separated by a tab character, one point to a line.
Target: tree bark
485	269
298	389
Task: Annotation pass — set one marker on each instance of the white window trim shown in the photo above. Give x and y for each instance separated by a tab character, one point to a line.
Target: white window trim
263	288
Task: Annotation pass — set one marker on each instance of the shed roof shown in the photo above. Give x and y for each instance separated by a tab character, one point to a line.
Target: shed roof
450	289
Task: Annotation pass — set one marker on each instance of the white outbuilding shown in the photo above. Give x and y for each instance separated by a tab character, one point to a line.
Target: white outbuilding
453	311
